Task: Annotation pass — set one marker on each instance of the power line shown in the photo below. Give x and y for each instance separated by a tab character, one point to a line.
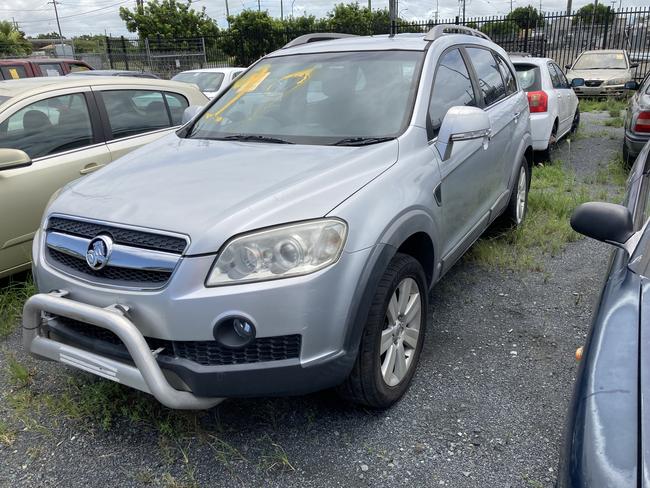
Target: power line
74	15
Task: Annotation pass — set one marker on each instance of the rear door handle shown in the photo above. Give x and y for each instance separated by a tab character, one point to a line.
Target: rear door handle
90	167
516	116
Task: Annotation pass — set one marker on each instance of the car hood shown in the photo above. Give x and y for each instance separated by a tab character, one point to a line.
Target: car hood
599	74
212	190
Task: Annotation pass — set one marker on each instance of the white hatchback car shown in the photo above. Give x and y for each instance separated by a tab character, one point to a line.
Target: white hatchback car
211	81
553	104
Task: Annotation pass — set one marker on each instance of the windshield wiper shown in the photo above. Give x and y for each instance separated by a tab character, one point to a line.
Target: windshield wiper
254	138
361	141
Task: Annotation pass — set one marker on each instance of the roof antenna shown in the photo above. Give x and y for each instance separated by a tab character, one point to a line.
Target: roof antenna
392	13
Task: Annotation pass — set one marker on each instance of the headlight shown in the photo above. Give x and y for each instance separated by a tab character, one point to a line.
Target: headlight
281	252
616	81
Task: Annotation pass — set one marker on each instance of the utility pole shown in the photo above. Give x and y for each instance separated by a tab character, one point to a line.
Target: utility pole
259	7
369	4
281	10
568	7
56	13
437	6
392	14
511	5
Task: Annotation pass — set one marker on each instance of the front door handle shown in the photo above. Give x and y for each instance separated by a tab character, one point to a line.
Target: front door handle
90	167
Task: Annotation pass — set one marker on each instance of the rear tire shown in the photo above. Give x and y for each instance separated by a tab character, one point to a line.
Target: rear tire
518	205
576	122
552	143
394	329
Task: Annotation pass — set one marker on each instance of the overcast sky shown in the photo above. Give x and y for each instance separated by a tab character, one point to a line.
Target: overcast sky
99	16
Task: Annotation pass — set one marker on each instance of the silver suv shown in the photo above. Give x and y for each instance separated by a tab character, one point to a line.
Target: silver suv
285	239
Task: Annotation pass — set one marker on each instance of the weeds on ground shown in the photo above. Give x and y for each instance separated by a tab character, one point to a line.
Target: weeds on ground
611	105
614	122
7	434
12	299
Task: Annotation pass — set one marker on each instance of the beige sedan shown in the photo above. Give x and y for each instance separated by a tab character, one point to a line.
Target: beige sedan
54	130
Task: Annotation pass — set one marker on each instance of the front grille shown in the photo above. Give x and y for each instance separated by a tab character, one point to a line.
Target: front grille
110	273
593	83
206	353
128	237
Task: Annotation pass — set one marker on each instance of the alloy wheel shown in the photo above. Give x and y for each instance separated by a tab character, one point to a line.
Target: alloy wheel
399	338
522	189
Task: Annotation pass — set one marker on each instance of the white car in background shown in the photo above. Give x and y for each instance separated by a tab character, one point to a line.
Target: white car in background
211	81
553	104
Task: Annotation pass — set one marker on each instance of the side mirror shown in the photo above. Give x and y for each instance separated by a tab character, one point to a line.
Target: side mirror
190	112
462	124
13	158
631	85
634	65
567	66
575	82
606	222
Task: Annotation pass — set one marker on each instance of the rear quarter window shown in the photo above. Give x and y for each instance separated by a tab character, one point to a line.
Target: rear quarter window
13	72
529	77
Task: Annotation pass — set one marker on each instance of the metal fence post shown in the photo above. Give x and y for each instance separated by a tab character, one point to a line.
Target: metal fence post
605	31
205	56
108	51
526	32
148	52
126	57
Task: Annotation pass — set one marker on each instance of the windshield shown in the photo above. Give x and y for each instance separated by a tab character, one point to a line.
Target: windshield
207	82
601	61
529	77
324	98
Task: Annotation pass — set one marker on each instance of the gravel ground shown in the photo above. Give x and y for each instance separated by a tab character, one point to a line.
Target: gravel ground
486	407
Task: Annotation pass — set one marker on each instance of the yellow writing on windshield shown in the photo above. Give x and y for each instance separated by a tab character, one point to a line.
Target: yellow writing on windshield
241	87
302	76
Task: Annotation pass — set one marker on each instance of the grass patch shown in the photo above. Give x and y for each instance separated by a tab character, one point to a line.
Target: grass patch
611	105
613	174
553	196
7	434
12	298
614	122
19	375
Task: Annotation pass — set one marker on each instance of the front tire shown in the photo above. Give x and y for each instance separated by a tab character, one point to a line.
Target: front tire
518	205
576	121
392	338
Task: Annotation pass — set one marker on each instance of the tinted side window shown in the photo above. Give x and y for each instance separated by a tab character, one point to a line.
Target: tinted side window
49	126
452	86
488	73
132	112
563	81
511	84
13	72
51	69
177	105
555	79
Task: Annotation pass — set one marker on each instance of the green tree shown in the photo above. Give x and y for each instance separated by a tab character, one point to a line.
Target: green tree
49	35
251	35
12	41
586	16
169	19
500	29
89	43
526	17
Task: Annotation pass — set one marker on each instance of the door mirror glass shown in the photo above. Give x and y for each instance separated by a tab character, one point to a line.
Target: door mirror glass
462	124
606	222
631	85
190	112
577	82
13	158
567	66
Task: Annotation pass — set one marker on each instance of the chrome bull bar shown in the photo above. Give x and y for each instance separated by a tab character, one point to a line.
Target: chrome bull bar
145	376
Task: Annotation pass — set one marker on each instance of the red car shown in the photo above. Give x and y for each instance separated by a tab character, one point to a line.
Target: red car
14	69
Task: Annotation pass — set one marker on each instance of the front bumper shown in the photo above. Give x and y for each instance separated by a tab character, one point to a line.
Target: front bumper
319	307
601	91
145	375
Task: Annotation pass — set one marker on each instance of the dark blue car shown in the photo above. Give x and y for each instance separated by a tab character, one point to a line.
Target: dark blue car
607	439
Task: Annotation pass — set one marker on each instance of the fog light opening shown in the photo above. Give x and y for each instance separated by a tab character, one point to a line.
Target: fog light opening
234	332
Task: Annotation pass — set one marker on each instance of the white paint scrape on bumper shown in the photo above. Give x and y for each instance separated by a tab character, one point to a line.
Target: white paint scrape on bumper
146	375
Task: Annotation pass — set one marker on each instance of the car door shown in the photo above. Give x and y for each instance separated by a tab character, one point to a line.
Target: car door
569	99
504	117
463	173
61	133
560	96
134	117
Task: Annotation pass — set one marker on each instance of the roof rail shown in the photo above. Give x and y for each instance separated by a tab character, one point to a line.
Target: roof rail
318	36
442	29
